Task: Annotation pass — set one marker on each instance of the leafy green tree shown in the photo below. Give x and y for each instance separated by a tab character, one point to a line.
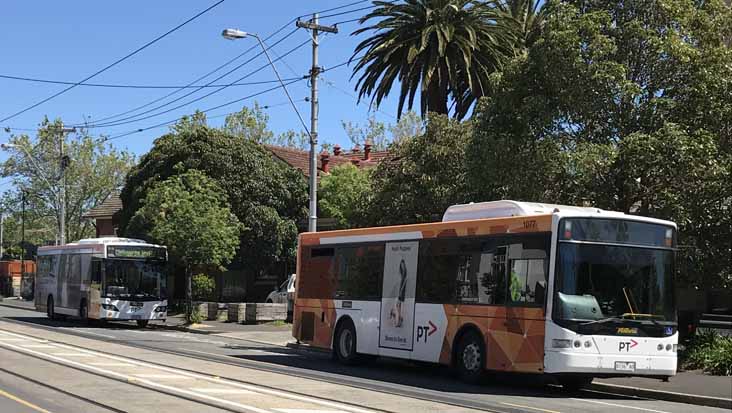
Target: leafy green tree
342	192
380	134
189	214
423	176
621	106
266	195
443	49
94	171
251	124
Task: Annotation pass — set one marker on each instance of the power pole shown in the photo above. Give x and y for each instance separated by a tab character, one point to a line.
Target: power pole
64	163
314	72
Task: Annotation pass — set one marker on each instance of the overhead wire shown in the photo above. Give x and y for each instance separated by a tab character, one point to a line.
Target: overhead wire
128	120
116	62
335	8
326	69
201	111
230	61
131	86
276	32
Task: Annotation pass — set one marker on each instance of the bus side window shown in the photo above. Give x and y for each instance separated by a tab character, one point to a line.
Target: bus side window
437	271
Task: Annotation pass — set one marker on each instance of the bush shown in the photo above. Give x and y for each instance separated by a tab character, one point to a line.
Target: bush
203	287
195	317
710	352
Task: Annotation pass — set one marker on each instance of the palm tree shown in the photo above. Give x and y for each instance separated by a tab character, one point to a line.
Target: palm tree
525	18
445	49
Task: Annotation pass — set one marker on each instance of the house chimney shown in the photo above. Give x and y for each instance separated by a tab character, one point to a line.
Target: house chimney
324	161
337	150
356	149
367	150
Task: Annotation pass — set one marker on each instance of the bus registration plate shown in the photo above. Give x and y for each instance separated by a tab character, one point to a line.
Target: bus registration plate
136	305
625	366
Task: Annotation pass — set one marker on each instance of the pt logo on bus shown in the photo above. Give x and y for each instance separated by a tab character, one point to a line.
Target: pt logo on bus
627	345
425	331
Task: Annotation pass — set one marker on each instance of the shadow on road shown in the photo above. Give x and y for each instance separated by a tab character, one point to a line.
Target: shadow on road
428	376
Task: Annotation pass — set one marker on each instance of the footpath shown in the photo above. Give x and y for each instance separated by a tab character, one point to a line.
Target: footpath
691	387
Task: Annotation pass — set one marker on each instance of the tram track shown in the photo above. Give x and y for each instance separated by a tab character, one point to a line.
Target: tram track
420	394
59	390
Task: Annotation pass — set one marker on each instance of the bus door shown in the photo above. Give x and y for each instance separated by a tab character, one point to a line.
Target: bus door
396	327
527	264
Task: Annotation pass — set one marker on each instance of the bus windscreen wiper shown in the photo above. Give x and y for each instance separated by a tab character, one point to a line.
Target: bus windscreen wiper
604	321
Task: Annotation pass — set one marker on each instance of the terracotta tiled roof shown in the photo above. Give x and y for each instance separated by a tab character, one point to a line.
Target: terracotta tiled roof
107	208
300	159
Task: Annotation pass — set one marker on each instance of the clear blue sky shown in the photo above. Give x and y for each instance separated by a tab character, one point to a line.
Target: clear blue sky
69	40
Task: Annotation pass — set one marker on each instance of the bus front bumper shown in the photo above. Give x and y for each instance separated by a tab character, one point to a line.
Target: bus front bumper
610	365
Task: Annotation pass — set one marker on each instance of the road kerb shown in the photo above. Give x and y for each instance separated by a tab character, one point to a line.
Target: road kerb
663	395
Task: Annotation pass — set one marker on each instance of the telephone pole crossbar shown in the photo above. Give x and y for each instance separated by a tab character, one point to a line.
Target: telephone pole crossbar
314	73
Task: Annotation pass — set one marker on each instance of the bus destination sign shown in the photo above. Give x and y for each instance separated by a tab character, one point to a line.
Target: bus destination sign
135	252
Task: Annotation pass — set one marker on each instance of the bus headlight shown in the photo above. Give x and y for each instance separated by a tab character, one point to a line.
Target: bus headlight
110	307
561	343
161	309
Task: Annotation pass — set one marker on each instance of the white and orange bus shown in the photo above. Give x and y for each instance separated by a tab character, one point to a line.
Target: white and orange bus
504	286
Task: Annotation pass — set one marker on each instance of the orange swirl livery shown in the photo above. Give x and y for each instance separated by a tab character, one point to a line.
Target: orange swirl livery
497	286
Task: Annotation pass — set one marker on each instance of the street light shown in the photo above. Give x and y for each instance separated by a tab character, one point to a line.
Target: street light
234	34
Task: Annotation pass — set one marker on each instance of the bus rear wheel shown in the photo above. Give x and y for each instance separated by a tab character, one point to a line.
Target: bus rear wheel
345	343
142	323
470	357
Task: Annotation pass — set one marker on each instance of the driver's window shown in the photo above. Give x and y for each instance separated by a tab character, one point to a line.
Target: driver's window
527	281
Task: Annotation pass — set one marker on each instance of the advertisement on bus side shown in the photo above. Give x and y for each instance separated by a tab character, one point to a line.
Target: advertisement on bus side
397	302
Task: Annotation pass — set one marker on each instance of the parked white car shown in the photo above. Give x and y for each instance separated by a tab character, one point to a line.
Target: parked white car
284	294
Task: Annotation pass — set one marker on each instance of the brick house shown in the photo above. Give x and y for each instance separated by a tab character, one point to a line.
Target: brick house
104	215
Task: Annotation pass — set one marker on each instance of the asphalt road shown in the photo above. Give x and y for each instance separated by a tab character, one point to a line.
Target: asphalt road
384	385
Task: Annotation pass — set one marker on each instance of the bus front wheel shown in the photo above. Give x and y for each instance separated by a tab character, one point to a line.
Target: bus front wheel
345	343
470	357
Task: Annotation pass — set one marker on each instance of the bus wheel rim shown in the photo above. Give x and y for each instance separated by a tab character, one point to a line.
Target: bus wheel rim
471	357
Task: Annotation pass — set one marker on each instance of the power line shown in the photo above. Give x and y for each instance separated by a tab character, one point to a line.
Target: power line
128	119
288	82
230	61
125	121
200	78
130	86
202	111
224	104
335	8
139	49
